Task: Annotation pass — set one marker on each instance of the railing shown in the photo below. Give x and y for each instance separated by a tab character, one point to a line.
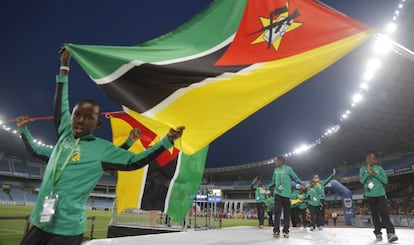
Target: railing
397	220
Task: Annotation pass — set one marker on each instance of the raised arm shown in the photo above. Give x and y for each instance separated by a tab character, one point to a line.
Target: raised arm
62	111
120	159
36	150
363	175
294	176
133	136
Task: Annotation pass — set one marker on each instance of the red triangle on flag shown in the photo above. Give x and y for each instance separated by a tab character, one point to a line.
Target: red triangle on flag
275	29
147	137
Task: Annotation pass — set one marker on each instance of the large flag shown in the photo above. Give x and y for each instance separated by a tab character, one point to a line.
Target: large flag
167	184
223	65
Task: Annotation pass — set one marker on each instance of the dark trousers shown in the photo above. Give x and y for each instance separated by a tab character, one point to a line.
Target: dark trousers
315	212
294	216
36	236
378	208
260	212
302	214
281	203
270	218
321	218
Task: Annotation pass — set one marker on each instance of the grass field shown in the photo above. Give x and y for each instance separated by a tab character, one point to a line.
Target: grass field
11	231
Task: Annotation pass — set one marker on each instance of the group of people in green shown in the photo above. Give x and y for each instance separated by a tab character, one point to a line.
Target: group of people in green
284	201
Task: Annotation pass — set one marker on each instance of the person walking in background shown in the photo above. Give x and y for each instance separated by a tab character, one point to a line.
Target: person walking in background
75	165
281	182
321	184
302	205
260	196
270	202
373	177
313	196
294	210
334	217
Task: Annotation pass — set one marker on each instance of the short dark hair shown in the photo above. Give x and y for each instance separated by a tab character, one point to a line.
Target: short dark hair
281	158
92	102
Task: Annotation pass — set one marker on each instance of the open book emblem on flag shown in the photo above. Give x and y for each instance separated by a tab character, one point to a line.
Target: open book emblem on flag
276	26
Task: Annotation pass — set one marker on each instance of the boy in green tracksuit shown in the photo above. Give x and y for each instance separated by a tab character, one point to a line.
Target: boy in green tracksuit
321	184
281	182
260	196
270	202
313	197
373	177
75	165
302	205
294	210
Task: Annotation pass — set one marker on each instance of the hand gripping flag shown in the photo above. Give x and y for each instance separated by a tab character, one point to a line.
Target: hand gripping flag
167	184
223	65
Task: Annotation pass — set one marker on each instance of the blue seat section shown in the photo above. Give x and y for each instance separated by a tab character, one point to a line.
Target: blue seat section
4	166
4	196
23	167
103	203
17	196
108	179
31	197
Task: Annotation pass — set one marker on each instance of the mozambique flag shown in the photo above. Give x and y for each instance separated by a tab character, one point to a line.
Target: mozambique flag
223	65
167	184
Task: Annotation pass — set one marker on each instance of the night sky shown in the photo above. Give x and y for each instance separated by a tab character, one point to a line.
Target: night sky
32	33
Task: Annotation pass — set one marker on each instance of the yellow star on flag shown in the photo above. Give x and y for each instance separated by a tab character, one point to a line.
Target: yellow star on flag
277	37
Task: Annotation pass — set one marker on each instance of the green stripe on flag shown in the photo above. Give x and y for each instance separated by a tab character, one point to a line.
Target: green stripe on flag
206	30
186	184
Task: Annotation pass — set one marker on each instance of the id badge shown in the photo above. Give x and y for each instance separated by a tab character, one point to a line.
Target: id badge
370	185
49	207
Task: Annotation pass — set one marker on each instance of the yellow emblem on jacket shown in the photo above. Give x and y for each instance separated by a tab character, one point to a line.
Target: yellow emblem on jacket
76	156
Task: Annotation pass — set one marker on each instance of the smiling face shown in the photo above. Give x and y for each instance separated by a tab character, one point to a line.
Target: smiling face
85	118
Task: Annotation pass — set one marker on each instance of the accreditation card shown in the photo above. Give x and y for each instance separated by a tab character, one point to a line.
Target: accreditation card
48	210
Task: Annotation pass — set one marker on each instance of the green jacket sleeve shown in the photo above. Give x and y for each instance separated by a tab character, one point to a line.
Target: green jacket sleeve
381	176
127	144
62	111
294	176
271	184
326	181
119	159
36	150
363	175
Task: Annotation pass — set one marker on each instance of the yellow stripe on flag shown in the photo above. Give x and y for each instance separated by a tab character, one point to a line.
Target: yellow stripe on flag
212	107
130	183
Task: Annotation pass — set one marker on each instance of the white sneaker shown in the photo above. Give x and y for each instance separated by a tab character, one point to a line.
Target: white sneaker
392	237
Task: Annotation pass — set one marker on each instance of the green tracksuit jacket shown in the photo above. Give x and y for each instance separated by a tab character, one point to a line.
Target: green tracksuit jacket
373	184
260	193
281	180
90	158
313	195
321	184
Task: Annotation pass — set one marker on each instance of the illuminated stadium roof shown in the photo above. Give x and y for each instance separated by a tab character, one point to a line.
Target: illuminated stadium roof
382	124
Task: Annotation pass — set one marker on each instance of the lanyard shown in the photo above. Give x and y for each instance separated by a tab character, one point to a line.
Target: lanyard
56	176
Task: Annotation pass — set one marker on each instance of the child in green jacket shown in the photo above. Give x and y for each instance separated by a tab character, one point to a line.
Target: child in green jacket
373	177
75	165
313	196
